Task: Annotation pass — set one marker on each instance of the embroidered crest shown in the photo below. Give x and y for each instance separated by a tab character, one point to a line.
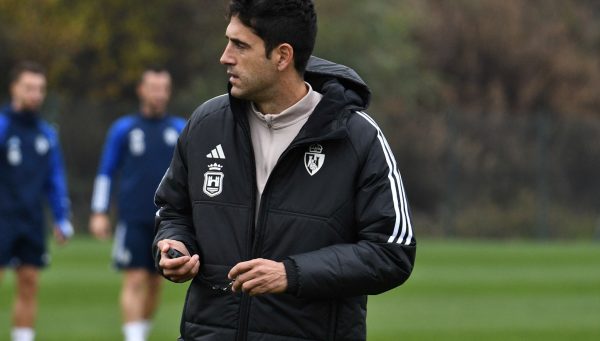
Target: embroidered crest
213	180
42	145
314	159
170	136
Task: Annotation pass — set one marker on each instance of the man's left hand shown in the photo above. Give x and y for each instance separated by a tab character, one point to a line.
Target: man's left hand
60	238
258	276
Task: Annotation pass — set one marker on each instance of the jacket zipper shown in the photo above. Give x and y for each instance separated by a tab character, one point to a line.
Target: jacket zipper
256	231
244	312
261	221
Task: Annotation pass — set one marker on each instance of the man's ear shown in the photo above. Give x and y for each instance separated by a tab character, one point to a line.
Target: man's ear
284	54
138	90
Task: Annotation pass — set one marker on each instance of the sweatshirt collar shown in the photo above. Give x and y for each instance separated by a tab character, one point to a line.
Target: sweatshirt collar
290	116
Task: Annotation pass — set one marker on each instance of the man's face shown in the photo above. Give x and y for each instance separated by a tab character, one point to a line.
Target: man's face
154	92
28	91
252	75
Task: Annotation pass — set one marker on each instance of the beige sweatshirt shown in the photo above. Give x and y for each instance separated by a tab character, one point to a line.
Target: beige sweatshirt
272	134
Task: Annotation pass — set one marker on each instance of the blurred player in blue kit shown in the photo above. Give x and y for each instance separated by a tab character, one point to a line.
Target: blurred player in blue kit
137	152
31	169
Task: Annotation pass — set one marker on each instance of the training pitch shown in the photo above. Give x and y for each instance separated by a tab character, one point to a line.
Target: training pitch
460	290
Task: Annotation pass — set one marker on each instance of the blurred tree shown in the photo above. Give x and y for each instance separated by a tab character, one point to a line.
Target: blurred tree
97	49
458	88
518	74
376	39
84	44
518	56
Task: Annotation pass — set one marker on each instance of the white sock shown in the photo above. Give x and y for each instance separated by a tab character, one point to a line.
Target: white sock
22	334
147	324
134	331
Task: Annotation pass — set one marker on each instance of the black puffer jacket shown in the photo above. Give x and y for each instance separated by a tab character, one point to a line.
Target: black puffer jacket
334	210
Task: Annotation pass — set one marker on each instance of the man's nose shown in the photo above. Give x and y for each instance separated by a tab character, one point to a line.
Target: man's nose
226	58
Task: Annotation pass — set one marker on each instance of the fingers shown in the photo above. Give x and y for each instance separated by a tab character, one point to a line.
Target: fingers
60	239
100	226
242	267
258	276
165	244
177	269
254	287
181	269
167	263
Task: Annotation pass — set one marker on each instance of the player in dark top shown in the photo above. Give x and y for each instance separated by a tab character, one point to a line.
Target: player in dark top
136	154
31	169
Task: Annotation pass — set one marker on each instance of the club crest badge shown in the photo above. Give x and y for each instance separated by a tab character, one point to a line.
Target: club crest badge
170	136
314	159
213	180
42	145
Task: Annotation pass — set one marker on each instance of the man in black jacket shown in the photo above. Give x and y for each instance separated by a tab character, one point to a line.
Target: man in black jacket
283	195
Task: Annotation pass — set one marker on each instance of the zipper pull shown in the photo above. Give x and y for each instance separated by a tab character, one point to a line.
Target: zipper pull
269	120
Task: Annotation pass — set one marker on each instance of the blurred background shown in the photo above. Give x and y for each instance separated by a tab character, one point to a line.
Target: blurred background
491	107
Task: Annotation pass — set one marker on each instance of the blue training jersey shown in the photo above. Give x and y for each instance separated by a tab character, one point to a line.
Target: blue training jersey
31	168
137	152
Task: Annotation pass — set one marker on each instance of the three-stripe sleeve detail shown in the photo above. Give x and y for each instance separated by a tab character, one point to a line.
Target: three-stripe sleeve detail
402	233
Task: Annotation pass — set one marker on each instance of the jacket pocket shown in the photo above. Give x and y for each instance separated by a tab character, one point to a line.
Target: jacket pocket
214	277
207	303
294	317
221	233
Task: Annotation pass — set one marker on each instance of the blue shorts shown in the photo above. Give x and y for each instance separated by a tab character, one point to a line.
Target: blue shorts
22	244
132	247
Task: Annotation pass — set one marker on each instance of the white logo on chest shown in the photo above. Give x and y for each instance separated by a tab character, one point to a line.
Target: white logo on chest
213	180
42	145
137	145
170	136
314	159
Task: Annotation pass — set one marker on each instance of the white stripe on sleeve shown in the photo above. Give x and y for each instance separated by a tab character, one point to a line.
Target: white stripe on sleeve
397	189
101	196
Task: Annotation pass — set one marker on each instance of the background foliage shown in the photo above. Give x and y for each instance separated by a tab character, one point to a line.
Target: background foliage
491	106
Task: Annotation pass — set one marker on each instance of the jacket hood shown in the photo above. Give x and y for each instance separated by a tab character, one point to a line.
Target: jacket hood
320	71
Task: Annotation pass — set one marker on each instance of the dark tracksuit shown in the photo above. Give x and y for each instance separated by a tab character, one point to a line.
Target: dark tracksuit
333	211
31	172
136	154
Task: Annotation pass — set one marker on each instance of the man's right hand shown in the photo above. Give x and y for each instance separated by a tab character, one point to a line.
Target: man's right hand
100	226
180	269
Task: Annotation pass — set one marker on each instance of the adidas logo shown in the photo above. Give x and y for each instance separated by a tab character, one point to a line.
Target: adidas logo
216	153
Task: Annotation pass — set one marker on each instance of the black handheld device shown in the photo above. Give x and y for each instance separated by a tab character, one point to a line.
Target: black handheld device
174	253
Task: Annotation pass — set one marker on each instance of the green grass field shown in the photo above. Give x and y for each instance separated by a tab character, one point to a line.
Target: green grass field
460	290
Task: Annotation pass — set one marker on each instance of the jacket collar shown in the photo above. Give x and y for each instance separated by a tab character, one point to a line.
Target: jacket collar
25	117
343	92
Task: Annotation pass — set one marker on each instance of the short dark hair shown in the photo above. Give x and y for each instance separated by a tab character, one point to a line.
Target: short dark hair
26	66
152	68
280	21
